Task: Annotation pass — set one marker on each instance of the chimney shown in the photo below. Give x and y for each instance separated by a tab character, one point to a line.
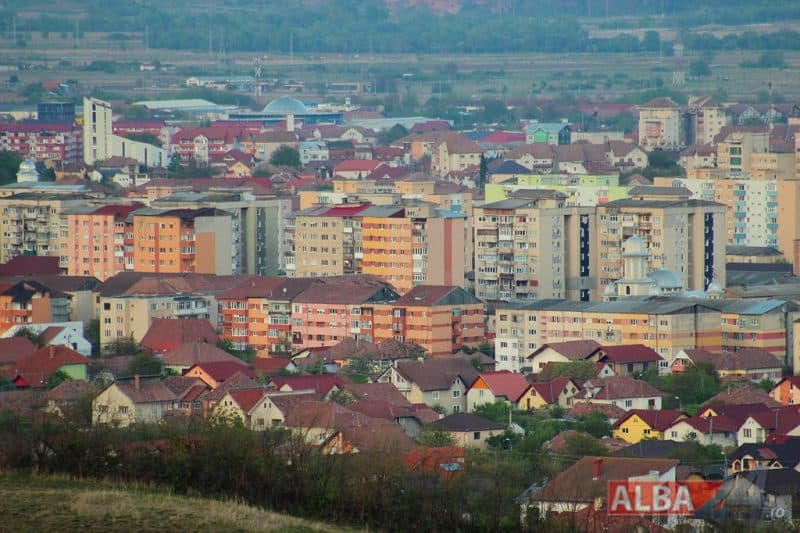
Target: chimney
136	381
52	351
597	468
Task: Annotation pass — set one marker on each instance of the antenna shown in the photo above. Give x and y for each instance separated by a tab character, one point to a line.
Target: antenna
291	47
146	37
14	30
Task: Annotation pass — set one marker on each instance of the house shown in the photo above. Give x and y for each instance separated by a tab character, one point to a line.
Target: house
611	411
132	401
631	359
687	358
354	169
754	422
558	133
189	354
405	415
719	430
34	371
68	334
66	395
585	484
165	334
783	452
188	392
322	385
771	495
562	352
279	404
455	153
562	439
504	386
787	391
741	394
439	383
216	373
622	391
468	430
444	461
263	145
336	429
250	406
559	391
270	366
640	424
753	364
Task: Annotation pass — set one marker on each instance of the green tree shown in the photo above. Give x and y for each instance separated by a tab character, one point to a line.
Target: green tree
145	365
9	165
580	370
148	138
581	444
434	437
55	379
483	171
358	369
174	162
699	68
245	355
393	134
595	424
285	156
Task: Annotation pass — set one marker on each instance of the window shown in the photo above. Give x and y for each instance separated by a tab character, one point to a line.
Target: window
435	395
456	394
628	403
625	430
476	435
748	433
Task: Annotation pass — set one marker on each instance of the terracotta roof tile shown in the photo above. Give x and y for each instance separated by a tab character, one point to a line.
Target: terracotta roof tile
167	334
33	371
574	350
438	373
657	419
629	353
191	353
246	399
15	349
619	387
505	384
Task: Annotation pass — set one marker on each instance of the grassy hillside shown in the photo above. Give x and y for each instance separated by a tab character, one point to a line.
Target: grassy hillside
54	504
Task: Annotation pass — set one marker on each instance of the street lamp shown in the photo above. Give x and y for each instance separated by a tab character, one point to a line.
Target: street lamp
680	403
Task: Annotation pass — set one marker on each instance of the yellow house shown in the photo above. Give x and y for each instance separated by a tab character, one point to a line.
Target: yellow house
138	401
641	424
250	406
559	391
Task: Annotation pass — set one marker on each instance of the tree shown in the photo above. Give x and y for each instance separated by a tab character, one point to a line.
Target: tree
483	171
580	370
55	379
145	365
9	165
595	424
285	156
434	437
246	355
358	369
394	133
29	334
174	162
699	68
148	138
581	444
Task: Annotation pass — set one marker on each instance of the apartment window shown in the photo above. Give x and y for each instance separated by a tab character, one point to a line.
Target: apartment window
456	394
748	433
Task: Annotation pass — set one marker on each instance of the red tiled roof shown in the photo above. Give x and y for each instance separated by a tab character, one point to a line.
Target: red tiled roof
322	384
657	419
630	353
222	370
551	390
36	127
504	383
15	349
118	211
504	137
350	290
167	334
270	365
738	413
28	265
345	210
192	353
225	134
69	390
609	410
619	387
711	424
248	398
431	460
356	165
33	371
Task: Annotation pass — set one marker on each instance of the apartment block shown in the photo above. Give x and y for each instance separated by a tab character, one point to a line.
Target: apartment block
258	225
33	222
184	240
683	235
30	302
661	125
93	240
327	241
708	117
97	127
42	141
440	318
413	245
535	247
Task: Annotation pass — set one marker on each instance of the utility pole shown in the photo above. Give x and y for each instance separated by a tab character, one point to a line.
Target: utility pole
14	30
77	34
291	48
146	37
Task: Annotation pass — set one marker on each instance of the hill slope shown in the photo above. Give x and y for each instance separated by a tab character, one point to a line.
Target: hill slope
49	504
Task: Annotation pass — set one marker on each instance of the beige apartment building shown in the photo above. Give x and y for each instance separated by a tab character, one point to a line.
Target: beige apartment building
534	248
327	241
708	119
661	125
682	235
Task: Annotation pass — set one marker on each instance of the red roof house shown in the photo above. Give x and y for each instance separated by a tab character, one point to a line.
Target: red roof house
166	334
34	371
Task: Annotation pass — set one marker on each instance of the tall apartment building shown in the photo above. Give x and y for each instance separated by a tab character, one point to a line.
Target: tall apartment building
413	245
97	144
32	222
708	117
661	125
259	223
534	248
41	141
93	240
184	240
683	235
327	241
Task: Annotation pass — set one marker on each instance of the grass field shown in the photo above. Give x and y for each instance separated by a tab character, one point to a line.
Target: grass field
56	504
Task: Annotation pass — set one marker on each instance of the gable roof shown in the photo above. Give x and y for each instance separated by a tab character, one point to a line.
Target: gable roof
148	391
191	353
270	365
464	422
321	384
584	408
573	350
711	424
550	390
34	370
13	349
504	383
246	399
69	390
657	419
165	334
747	359
223	370
438	373
630	353
348	290
431	295
619	387
741	395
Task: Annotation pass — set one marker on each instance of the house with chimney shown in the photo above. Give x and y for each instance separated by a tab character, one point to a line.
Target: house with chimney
137	400
640	424
469	430
562	352
34	371
622	391
558	391
502	386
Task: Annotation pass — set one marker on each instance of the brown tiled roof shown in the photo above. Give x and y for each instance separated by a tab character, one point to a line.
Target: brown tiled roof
149	391
286	401
246	399
269	365
69	390
191	353
573	350
238	380
438	373
378	391
167	334
15	349
30	265
50	333
747	359
578	484
347	290
618	387
658	419
278	136
322	384
505	384
430	295
33	371
743	394
278	288
180	385
630	353
223	370
611	411
550	391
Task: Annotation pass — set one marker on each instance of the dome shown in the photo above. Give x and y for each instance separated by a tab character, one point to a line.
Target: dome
714	288
285	105
27	172
665	279
634	247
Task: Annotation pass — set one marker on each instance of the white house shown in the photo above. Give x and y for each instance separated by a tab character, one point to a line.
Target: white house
68	334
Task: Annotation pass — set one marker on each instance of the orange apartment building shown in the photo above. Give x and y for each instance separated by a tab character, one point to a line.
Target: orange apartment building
440	318
183	240
256	314
30	302
336	308
93	243
413	245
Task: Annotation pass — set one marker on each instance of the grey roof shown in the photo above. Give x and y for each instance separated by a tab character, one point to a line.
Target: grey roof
549	127
536	194
464	422
507	204
660	204
747	307
380	211
509	167
652	190
654	305
752	250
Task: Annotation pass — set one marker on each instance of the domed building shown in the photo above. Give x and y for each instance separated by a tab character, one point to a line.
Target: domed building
636	281
285	105
27	172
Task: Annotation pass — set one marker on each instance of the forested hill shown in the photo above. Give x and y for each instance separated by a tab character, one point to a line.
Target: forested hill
358	26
